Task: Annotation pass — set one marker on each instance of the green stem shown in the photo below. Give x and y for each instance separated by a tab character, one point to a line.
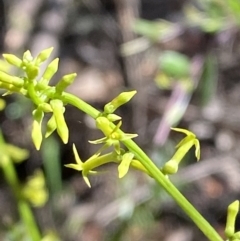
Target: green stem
24	209
32	94
187	207
80	104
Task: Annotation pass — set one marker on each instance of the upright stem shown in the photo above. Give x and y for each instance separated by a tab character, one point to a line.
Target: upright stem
24	209
187	207
168	186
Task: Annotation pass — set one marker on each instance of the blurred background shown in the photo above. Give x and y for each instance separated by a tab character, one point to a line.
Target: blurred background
183	58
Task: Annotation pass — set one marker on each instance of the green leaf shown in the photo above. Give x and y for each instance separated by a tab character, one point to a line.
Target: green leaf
174	64
234	6
154	30
208	83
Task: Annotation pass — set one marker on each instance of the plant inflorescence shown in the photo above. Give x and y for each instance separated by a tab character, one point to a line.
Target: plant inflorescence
115	146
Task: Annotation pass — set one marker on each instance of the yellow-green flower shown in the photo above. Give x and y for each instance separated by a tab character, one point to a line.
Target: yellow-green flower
183	147
113	135
35	189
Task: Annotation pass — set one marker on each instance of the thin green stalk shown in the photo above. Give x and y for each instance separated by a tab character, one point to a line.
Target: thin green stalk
80	104
187	207
51	161
29	220
98	161
24	209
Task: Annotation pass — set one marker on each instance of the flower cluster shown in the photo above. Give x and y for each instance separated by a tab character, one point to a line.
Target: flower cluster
113	137
46	98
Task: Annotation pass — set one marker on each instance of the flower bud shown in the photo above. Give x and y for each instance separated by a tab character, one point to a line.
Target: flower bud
37	128
113	117
45	107
170	167
13	60
62	129
43	55
51	126
6	78
27	57
32	71
50	71
121	99
233	209
103	124
64	82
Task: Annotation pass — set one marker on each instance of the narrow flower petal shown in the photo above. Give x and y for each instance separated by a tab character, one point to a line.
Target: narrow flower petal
77	158
98	141
74	166
187	132
197	151
125	164
85	178
51	126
